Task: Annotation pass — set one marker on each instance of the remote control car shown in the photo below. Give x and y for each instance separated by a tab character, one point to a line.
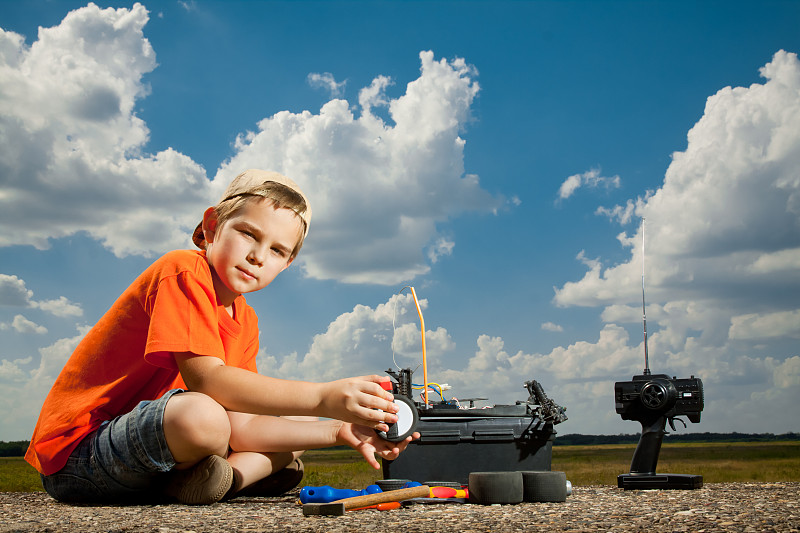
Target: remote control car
457	438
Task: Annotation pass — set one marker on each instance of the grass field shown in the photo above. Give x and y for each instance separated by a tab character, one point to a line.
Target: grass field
584	465
18	476
716	462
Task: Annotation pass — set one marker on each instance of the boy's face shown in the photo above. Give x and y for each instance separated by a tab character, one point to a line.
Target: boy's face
251	247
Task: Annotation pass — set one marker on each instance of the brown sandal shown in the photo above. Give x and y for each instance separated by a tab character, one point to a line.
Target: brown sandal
203	484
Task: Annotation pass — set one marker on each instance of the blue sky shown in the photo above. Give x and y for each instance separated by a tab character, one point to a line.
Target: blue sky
498	156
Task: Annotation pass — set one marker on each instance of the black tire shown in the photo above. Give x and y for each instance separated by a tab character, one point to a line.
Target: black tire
488	488
448	484
391	484
408	420
544	486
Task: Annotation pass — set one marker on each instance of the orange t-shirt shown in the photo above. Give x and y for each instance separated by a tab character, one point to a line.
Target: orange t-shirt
127	356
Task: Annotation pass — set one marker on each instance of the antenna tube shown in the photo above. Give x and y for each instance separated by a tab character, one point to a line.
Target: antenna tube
424	355
644	313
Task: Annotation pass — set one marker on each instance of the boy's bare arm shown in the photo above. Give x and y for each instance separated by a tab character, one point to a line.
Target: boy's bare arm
260	433
357	400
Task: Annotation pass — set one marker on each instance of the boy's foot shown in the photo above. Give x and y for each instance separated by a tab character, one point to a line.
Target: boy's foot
203	484
278	483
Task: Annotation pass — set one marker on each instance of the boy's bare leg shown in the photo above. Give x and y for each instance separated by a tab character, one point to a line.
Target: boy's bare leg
250	467
195	427
259	432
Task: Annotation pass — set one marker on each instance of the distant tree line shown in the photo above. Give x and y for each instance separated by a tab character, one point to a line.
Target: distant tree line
590	440
15	448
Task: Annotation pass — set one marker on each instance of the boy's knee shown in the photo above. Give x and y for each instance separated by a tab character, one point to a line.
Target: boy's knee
195	426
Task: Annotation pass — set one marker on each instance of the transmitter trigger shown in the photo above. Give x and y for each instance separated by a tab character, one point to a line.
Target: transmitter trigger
672	423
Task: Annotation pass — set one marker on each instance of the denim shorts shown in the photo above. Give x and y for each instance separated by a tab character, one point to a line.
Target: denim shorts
124	461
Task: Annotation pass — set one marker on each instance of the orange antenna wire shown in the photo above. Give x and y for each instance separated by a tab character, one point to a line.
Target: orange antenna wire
424	356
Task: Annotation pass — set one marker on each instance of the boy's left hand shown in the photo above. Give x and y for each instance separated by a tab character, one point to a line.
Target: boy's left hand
368	443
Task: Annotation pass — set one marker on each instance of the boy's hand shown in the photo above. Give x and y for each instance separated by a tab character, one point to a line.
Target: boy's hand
368	443
360	401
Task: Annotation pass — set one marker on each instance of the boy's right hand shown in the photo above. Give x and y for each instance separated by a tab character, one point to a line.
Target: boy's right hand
360	401
369	444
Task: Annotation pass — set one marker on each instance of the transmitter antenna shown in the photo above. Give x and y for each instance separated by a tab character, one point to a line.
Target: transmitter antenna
644	313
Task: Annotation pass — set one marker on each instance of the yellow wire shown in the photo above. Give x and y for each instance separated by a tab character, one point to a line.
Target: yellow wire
432	385
424	357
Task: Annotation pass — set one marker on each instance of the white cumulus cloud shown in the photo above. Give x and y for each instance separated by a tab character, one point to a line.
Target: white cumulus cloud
758	326
362	341
24	391
591	179
14	293
726	221
378	189
61	307
328	82
69	131
20	324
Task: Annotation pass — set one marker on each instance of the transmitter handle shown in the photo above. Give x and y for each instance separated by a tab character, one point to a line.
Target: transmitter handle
645	457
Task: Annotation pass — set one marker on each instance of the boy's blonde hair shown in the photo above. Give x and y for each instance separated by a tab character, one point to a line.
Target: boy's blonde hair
283	192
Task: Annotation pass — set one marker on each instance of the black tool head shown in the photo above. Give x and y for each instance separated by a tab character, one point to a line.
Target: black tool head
323	509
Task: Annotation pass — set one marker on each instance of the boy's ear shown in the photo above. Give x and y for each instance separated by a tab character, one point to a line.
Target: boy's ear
209	224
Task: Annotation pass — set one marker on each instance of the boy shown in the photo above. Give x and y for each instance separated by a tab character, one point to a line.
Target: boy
163	392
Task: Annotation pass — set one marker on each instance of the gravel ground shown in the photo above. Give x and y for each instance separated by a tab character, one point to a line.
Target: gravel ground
715	507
